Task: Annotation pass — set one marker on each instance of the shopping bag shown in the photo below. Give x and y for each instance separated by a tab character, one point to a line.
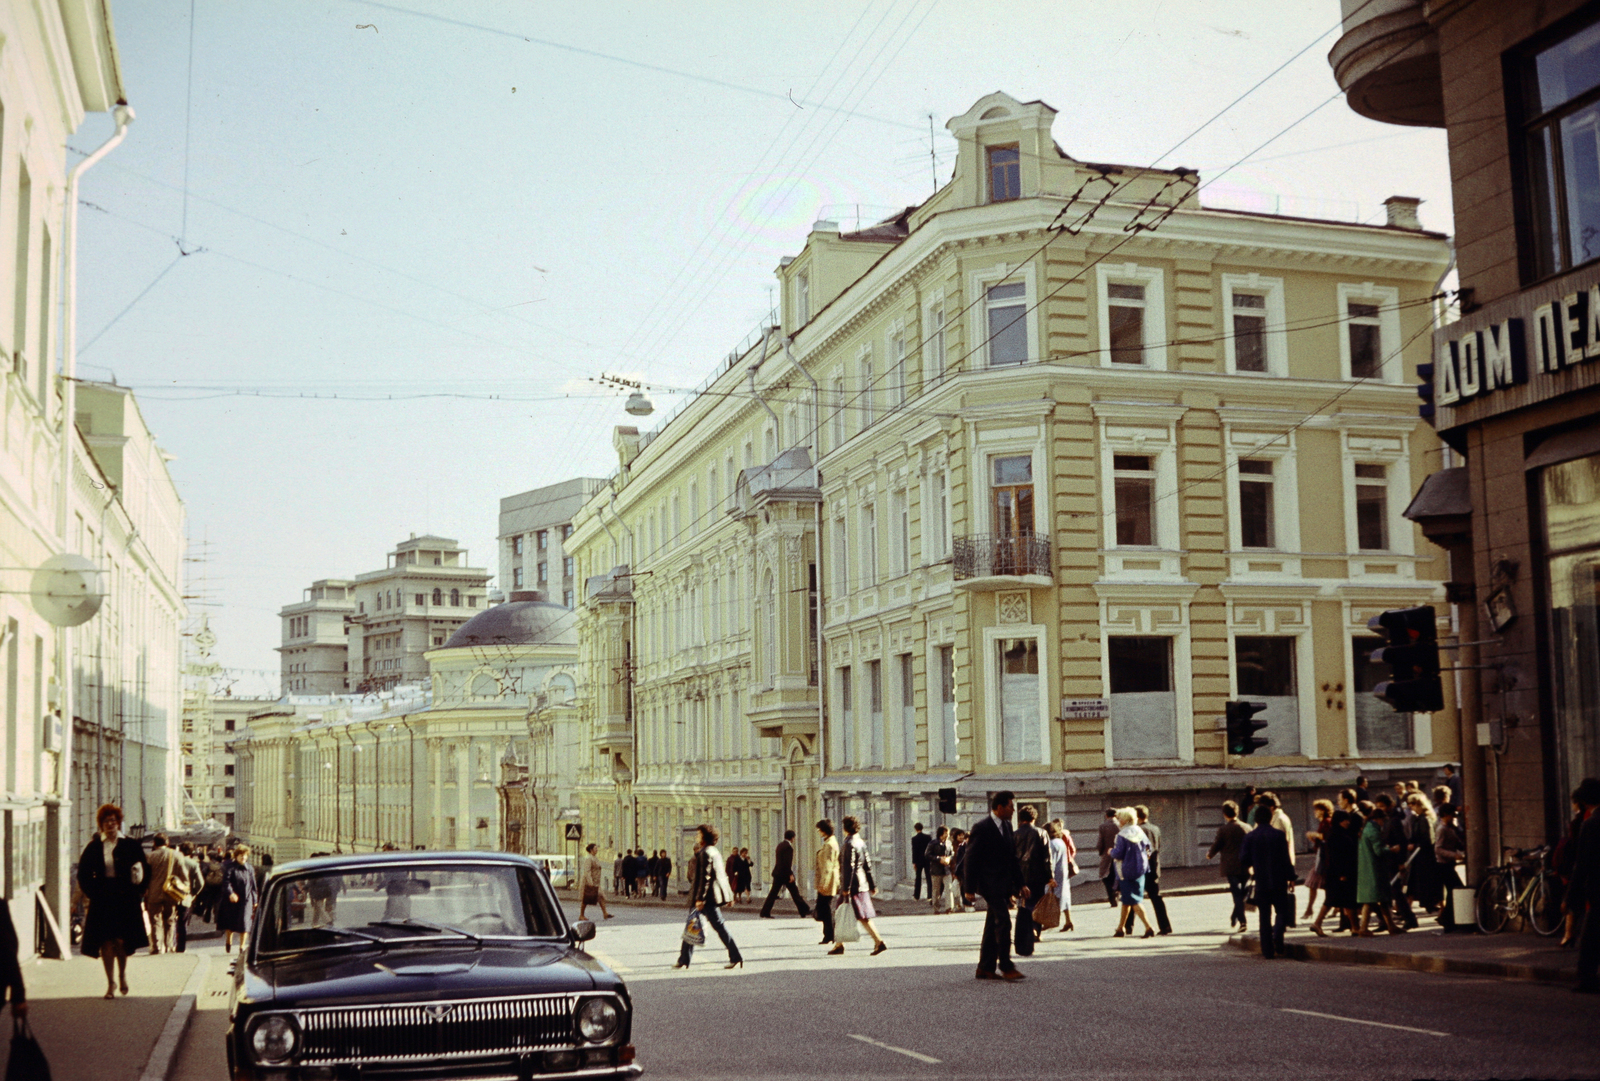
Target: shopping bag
845	926
694	931
27	1059
1047	913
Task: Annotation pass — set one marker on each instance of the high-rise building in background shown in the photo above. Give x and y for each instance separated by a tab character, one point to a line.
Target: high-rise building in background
534	527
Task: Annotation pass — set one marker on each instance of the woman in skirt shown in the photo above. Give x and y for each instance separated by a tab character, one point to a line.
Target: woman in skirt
112	873
856	885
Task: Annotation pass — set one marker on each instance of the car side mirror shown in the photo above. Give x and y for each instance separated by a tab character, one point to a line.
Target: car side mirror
581	931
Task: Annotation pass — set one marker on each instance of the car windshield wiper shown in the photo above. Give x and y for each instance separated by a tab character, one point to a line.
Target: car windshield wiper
444	928
347	932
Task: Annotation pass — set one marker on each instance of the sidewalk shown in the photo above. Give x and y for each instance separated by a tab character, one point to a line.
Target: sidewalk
87	1038
1511	954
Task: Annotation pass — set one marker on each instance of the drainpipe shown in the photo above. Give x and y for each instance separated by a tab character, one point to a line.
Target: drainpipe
822	680
756	394
58	889
627	673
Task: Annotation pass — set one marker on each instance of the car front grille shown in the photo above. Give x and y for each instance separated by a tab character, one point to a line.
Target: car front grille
435	1031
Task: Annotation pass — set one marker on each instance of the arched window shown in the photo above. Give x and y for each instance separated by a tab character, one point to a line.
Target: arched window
438	595
770	629
455	598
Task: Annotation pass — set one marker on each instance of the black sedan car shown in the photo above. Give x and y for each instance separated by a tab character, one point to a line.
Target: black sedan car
404	966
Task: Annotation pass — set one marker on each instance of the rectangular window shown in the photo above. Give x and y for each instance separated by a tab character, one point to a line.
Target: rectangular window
908	713
1008	327
1144	709
899	386
516	545
802	298
1125	306
841	556
864	397
869	545
566	599
516	581
1005	173
1012	494
1571	520
544	540
566	567
1372	507
875	703
566	532
939	519
1265	671
839	431
933	359
901	508
544	573
1560	114
1379	726
947	704
847	726
1250	332
1134	482
1018	667
1366	341
1255	503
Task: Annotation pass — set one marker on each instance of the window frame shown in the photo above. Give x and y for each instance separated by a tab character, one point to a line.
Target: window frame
994	752
935	341
1275	335
1280	451
1387	298
1013	171
980	282
1154	329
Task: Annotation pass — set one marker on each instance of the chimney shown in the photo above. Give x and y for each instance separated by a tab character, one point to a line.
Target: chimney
1403	212
625	439
825	225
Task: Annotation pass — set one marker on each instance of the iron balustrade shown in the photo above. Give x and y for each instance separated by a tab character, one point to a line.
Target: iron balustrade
986	555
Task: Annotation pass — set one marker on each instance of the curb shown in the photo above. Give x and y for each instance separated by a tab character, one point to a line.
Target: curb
1416	962
166	1048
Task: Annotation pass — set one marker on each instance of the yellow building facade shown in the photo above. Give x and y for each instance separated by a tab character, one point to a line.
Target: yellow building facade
1025	484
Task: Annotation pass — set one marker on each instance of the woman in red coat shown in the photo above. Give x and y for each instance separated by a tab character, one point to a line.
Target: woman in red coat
112	873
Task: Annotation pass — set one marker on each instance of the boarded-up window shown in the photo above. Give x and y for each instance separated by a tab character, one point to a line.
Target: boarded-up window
1019	699
1265	670
1144	717
1379	726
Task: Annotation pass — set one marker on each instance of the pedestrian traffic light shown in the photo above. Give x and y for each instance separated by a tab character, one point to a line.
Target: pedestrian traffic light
1412	654
1242	727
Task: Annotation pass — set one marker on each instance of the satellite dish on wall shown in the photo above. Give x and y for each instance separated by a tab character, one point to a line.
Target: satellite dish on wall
66	590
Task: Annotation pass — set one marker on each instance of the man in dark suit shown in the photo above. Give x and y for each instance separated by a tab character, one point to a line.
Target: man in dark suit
783	878
1266	852
664	877
1152	877
1033	856
992	872
1585	888
919	862
1108	869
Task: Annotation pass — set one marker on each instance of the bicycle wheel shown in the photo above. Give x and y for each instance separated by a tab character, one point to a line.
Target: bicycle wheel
1544	905
1492	904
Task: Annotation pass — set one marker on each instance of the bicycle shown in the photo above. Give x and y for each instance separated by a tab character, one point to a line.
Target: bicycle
1523	886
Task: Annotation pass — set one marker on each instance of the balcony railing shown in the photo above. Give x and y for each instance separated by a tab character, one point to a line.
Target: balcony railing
988	555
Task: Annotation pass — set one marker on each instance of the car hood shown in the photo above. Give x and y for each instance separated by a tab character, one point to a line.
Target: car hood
427	973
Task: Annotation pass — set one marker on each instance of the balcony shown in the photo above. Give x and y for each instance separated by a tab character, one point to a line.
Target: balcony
1387	62
987	561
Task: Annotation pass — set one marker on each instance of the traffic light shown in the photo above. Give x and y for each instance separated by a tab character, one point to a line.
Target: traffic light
1412	654
1242	727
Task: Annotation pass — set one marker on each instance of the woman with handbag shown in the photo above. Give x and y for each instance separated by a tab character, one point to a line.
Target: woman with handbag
589	884
856	886
1063	865
709	891
236	905
1372	884
111	873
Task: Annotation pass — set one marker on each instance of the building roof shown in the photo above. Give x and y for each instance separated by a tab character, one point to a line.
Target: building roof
518	623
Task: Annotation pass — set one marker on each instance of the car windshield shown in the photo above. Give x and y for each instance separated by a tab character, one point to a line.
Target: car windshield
444	902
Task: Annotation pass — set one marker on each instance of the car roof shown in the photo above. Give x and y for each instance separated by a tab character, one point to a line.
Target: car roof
367	861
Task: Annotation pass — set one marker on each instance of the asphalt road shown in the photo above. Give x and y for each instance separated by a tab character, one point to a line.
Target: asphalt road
1186	1005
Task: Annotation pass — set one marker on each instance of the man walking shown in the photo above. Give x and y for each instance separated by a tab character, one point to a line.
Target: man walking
919	861
827	877
783	878
1108	866
189	868
1266	852
1152	877
994	874
157	901
1229	840
664	867
1585	888
1033	857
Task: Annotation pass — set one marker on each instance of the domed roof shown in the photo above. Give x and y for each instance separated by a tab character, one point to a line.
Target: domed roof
519	623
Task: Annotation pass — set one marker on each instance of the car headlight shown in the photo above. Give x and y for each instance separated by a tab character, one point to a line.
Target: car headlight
274	1039
598	1019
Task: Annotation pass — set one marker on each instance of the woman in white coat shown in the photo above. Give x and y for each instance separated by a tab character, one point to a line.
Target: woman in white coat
1062	856
709	890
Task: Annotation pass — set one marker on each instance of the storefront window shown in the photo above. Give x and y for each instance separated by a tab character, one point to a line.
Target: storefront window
1572	539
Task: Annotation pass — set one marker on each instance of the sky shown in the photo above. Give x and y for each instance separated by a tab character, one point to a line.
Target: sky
363	262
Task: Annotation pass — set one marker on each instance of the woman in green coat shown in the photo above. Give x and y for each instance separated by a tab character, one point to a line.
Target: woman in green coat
1372	888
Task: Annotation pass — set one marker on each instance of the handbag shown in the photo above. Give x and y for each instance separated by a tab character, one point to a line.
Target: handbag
845	926
1047	913
694	931
27	1058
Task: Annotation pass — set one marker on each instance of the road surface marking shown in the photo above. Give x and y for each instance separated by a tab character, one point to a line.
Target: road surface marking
610	962
918	1055
1359	1021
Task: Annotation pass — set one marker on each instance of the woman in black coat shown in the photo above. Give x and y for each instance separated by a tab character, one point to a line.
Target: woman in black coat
112	873
236	902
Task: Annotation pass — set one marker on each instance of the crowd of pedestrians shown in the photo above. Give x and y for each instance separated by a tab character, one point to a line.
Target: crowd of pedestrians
637	873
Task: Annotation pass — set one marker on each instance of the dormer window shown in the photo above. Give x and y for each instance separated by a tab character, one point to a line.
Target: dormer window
1005	174
802	298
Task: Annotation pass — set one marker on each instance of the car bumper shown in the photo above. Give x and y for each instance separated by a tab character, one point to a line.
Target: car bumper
536	1068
